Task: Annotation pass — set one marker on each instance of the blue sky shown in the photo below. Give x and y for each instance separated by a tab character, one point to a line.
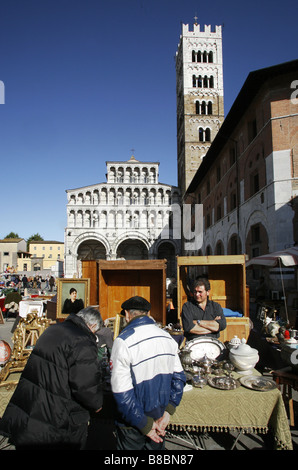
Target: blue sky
86	81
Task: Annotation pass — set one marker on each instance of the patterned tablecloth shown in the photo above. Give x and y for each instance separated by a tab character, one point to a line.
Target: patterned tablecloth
211	409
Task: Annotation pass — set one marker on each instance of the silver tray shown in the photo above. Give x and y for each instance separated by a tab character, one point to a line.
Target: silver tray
205	346
223	382
261	384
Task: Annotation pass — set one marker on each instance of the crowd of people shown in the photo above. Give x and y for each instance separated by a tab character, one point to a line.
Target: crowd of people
29	282
62	380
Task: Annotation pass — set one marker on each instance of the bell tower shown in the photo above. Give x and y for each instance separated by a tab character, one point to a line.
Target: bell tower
200	97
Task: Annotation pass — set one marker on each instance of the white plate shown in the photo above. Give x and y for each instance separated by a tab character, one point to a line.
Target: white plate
199	347
259	383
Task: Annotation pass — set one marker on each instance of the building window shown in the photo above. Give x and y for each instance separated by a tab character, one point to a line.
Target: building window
207	135
255	233
204	135
232	156
252	129
203	107
208	187
199	82
6	253
254	183
198	56
233	200
208	220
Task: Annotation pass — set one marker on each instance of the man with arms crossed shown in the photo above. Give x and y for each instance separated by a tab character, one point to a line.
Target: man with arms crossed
201	316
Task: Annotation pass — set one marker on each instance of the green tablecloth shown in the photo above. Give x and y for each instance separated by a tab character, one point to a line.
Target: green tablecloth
211	409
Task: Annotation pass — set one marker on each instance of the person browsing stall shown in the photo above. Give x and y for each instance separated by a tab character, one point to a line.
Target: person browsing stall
200	315
59	387
147	379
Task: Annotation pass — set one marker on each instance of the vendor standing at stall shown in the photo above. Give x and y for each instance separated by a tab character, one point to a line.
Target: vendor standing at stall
200	315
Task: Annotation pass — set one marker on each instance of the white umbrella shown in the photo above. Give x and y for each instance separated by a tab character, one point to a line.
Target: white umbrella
287	257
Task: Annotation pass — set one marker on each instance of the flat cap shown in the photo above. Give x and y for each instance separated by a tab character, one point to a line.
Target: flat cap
138	303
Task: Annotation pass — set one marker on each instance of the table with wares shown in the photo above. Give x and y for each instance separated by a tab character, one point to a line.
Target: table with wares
241	409
218	398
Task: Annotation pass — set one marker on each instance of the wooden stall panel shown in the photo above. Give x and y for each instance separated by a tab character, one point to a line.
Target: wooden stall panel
235	327
90	271
121	280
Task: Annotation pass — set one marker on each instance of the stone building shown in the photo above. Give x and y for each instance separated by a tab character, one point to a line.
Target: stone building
128	216
247	182
12	253
200	97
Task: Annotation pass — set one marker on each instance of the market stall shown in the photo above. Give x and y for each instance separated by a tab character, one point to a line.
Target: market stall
241	409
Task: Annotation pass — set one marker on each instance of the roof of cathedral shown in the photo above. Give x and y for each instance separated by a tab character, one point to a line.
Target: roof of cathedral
132	159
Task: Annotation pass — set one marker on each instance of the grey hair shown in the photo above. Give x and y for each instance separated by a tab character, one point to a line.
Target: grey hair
136	312
91	316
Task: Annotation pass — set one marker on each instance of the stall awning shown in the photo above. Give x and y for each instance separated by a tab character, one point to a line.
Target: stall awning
288	257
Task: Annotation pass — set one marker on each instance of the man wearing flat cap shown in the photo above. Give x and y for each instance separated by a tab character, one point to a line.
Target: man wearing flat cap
147	379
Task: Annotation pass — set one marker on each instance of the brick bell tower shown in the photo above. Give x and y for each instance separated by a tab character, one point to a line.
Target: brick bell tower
200	97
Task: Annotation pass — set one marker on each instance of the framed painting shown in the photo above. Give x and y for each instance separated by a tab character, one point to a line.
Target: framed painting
72	296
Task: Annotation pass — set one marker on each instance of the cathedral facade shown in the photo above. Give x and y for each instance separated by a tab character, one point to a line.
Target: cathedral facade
126	217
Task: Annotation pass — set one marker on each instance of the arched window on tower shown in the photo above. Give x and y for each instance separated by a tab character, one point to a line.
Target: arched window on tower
205	81
204	135
197	107
204	56
211	82
210	57
203	107
201	134
209	107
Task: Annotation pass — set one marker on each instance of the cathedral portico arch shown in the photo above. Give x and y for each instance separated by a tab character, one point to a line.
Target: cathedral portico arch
88	237
132	249
133	236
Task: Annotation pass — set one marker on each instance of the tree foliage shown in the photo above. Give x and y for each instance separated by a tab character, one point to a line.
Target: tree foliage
34	238
12	235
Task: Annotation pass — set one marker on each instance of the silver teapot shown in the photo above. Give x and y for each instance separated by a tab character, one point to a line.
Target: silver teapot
206	363
185	357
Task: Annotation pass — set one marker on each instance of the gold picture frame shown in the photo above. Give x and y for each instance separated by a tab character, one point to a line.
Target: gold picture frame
82	286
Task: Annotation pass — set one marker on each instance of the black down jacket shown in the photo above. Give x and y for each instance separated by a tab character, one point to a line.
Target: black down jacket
58	387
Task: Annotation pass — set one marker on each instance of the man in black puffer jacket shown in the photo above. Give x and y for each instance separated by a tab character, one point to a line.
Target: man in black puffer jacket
58	387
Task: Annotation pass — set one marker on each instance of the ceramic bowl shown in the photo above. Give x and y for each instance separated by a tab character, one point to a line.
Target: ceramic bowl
244	358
